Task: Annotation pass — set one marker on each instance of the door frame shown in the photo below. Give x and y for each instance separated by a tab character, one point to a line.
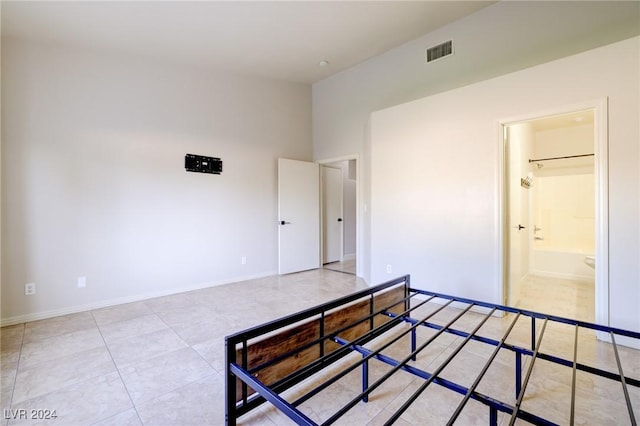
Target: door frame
359	217
601	164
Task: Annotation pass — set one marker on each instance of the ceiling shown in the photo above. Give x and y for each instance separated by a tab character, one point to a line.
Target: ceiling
282	40
573	119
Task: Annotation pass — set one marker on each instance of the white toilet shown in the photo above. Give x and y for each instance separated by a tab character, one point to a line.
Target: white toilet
590	261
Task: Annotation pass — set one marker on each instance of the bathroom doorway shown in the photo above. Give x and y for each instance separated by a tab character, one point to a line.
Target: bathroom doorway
554	213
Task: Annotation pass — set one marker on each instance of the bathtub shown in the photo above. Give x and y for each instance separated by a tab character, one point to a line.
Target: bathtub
561	263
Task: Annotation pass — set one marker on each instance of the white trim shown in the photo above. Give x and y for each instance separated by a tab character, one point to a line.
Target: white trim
600	108
601	174
623	341
128	299
501	289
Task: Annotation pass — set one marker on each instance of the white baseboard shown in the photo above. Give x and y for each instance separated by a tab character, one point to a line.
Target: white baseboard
620	340
122	300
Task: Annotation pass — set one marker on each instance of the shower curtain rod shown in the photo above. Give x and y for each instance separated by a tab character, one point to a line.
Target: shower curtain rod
561	158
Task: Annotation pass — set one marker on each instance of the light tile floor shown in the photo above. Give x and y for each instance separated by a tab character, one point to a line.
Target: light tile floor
556	296
161	362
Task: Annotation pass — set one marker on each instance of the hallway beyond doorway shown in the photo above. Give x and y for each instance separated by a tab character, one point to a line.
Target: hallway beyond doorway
347	266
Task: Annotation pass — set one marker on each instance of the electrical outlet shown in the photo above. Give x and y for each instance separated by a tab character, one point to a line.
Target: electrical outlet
388	269
82	282
244	260
30	289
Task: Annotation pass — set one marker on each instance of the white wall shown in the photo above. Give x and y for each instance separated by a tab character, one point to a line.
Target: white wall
93	178
565	141
434	175
502	38
1	172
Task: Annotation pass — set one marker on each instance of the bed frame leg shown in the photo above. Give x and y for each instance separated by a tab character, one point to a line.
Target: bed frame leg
533	333
518	373
365	379
413	344
230	379
493	416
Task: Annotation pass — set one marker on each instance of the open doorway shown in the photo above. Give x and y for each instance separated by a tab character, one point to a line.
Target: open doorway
554	218
338	211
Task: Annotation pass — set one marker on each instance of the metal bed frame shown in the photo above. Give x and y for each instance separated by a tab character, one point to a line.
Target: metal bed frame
264	361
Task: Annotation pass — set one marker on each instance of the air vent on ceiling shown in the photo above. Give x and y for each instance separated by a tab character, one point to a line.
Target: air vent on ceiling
440	51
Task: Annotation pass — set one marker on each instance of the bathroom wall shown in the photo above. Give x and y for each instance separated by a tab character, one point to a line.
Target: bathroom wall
563	200
564	209
564	191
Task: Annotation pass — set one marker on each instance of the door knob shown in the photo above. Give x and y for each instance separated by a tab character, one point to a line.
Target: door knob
282	222
520	227
339	219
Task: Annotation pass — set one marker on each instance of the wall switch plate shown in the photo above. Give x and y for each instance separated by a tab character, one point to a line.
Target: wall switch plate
82	282
388	269
30	289
244	260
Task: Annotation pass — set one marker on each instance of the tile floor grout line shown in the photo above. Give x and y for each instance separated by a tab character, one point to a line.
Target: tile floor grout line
169	327
15	376
202	357
118	371
319	285
337	270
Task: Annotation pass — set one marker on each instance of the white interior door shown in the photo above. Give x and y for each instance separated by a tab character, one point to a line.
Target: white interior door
299	216
332	219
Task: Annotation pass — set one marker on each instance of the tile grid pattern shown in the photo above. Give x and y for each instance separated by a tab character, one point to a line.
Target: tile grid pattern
158	361
161	361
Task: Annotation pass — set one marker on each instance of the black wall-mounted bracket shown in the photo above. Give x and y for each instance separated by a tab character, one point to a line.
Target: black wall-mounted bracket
202	164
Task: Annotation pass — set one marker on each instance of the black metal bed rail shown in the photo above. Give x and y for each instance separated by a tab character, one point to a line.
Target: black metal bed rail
535	353
330	336
352	367
533	314
469	393
313	367
528	352
250	402
271	393
288	320
325	360
235	370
